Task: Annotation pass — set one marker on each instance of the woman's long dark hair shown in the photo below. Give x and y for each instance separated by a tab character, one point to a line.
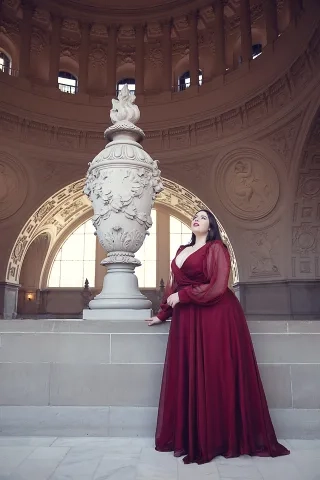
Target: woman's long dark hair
213	233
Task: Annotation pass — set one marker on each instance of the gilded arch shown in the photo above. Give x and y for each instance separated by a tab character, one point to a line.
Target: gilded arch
59	213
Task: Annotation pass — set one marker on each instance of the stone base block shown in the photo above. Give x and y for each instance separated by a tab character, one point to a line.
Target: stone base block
117	314
8	300
77	377
114	421
283	299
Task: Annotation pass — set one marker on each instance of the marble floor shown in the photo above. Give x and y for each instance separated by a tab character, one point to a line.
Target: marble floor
50	458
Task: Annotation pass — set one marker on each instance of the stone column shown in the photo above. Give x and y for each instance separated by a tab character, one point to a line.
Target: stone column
219	37
55	51
25	38
245	27
167	55
271	19
84	58
163	245
112	60
139	62
122	183
193	48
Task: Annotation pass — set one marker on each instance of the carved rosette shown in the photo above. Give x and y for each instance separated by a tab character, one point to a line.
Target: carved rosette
122	183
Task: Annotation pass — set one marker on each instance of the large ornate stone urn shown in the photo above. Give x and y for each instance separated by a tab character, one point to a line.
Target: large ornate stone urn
122	183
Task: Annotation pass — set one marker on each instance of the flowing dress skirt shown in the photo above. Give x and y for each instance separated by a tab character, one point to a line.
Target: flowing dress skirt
212	400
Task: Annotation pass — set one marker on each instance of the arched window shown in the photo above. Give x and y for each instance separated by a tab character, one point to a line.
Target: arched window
184	80
67	82
147	273
5	63
129	81
76	259
256	50
180	234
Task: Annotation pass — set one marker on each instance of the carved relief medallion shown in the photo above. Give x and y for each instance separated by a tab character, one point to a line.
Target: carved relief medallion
247	184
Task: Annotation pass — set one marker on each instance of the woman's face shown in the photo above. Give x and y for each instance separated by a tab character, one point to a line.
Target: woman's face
200	223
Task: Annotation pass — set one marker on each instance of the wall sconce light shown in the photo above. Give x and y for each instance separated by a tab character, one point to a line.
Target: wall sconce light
30	297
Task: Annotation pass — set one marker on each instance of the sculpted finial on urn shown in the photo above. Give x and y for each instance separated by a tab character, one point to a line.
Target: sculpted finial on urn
123	108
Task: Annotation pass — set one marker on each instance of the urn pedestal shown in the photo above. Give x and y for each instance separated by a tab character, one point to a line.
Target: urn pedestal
122	183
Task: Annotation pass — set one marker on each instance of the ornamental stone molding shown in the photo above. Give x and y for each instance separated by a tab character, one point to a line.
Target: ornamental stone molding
38	40
282	140
13	185
69	207
247	184
41	16
263	252
98	55
10	29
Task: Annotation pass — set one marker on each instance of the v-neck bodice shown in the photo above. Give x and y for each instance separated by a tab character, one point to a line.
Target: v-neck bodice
190	255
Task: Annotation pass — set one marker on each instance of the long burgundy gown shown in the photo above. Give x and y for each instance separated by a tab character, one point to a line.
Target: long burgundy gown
212	400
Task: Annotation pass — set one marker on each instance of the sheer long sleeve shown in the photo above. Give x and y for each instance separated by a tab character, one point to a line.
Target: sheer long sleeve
165	310
217	268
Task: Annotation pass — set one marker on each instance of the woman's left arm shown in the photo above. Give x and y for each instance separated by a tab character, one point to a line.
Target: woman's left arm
217	270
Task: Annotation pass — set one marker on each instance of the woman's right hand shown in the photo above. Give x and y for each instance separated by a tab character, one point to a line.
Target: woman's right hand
153	321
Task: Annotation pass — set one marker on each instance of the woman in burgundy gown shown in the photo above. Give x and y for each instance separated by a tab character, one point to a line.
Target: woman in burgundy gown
212	400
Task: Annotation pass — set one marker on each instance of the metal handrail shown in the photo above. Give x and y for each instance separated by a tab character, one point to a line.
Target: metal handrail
70	89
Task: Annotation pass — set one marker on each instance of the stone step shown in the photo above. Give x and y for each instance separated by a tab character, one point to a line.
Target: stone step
116	366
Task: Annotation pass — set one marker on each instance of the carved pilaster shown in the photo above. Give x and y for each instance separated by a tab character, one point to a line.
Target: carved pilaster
167	55
219	37
139	63
245	27
84	57
25	38
193	48
55	51
112	60
295	7
271	19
